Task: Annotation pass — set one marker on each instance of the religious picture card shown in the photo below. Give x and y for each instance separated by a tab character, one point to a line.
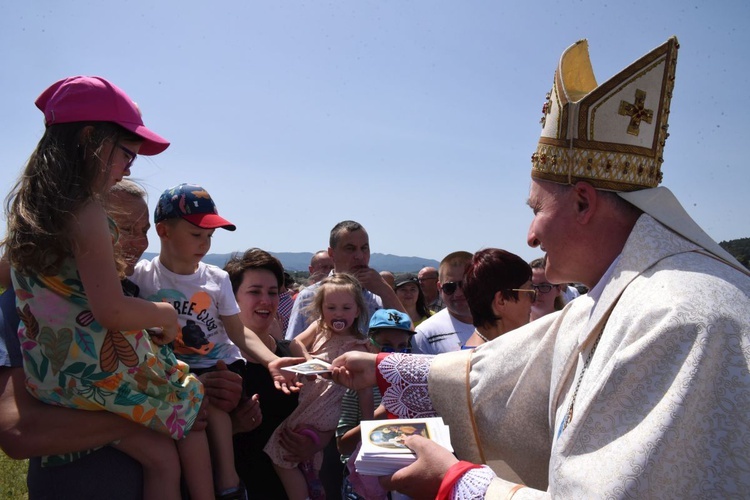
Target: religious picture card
312	367
383	450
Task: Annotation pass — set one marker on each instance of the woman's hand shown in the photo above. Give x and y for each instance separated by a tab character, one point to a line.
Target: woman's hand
247	416
355	370
421	480
284	380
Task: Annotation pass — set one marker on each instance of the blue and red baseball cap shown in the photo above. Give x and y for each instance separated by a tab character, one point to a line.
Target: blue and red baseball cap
193	204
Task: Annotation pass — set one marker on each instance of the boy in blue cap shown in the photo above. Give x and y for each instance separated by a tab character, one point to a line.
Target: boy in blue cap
389	331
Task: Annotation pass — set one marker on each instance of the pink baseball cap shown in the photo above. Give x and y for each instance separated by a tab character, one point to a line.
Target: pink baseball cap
92	98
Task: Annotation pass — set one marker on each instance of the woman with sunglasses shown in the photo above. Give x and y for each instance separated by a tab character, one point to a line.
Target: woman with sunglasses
499	292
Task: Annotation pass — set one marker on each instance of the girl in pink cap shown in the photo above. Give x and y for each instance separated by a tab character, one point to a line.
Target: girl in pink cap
83	339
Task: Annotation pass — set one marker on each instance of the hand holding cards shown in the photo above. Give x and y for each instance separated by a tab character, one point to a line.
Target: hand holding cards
383	451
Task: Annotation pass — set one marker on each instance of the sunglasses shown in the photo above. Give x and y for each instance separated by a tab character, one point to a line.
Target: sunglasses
532	292
130	155
450	287
389	348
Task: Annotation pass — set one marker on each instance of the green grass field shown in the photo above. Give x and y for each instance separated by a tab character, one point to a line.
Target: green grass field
12	478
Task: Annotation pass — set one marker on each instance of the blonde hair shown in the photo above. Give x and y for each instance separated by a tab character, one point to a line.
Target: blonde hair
346	282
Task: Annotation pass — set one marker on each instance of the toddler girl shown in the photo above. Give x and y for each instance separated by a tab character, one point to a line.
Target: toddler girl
340	325
83	340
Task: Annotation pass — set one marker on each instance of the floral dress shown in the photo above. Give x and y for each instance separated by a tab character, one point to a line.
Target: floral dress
70	360
319	402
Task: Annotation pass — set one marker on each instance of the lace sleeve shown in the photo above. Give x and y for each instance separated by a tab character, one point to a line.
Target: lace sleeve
473	484
403	383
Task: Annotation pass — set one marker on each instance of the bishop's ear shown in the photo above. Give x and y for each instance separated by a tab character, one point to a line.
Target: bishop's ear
586	198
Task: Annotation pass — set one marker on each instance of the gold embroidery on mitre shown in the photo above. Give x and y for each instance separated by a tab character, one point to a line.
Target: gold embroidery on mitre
636	111
574	151
546	108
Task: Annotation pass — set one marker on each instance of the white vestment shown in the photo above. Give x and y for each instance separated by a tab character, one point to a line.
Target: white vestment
663	408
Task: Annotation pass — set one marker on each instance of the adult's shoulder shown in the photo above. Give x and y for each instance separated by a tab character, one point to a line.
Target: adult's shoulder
700	282
308	292
437	319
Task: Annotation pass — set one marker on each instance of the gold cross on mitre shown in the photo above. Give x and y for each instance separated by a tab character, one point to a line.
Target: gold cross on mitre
636	112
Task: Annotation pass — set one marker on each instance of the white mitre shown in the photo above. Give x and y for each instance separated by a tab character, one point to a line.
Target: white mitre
612	135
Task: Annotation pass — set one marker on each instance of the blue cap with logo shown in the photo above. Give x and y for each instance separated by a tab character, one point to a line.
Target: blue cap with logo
193	204
390	319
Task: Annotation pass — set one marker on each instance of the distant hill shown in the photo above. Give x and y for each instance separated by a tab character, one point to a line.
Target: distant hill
739	248
299	261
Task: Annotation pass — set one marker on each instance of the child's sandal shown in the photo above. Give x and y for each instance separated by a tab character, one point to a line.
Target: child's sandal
238	493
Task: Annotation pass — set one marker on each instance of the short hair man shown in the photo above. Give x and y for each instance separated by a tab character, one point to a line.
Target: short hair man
349	249
428	282
321	265
450	328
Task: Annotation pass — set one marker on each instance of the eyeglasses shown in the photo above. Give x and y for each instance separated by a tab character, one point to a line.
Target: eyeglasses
389	348
131	156
543	287
450	287
532	292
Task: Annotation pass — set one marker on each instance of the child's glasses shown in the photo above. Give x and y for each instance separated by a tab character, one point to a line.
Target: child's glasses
130	155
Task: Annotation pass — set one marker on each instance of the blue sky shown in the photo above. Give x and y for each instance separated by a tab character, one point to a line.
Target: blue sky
416	118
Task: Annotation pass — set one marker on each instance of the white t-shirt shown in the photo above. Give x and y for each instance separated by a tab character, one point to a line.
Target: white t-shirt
199	299
441	332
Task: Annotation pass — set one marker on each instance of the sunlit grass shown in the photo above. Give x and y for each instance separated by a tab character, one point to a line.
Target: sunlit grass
12	478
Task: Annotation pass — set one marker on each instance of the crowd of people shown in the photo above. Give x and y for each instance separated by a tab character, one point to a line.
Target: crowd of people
616	365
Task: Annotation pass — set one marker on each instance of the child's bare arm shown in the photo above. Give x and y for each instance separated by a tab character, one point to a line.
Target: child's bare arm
301	343
366	403
94	254
348	442
366	399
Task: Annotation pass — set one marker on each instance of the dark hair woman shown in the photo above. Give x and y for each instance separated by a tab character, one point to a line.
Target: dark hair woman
498	289
410	294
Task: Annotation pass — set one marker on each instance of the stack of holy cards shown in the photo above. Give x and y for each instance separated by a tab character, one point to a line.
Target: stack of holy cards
383	451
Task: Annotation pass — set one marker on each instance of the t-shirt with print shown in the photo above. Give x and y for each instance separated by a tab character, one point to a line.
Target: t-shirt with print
199	299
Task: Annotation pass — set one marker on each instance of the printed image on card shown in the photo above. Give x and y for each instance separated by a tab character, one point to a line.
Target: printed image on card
312	367
392	436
